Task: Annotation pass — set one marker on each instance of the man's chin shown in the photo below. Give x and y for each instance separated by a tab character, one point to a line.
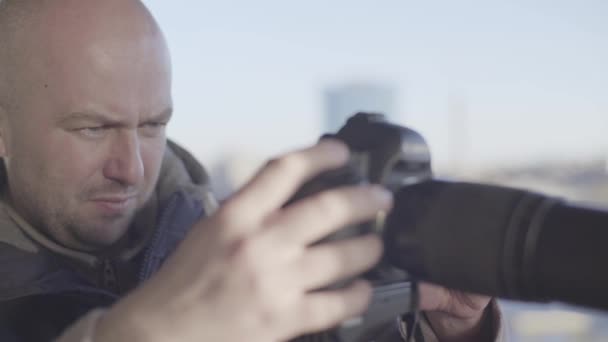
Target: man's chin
102	235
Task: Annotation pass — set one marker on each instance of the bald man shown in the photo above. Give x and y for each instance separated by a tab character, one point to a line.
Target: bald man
108	231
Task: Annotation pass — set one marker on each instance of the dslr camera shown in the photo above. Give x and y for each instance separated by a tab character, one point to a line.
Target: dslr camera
534	247
392	156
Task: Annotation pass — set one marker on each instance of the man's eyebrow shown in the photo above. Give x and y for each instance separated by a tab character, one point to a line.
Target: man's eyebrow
87	116
164	116
92	116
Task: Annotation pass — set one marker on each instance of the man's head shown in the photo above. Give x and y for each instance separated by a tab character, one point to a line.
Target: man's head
84	99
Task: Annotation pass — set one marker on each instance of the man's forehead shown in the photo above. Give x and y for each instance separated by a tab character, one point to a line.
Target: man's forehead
71	24
75	48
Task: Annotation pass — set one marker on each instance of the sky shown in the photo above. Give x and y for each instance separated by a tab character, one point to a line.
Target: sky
530	77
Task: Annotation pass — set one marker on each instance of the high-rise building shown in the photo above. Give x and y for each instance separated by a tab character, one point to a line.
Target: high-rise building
343	101
233	170
458	136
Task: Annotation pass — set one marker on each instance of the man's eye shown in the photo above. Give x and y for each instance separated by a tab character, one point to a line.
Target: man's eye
153	128
155	124
93	131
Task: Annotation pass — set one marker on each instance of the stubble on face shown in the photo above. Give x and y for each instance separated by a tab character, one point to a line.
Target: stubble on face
107	57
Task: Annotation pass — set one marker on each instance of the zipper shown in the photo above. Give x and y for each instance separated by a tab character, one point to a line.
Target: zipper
109	278
147	267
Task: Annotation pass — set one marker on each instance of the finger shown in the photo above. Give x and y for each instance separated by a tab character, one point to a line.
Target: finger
279	179
433	297
319	215
453	302
329	263
324	310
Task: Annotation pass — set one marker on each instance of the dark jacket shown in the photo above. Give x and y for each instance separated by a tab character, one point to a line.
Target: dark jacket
44	287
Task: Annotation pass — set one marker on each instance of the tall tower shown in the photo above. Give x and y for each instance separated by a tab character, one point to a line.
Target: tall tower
458	134
343	101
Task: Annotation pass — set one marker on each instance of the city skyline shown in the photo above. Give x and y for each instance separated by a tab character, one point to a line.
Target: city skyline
251	75
344	100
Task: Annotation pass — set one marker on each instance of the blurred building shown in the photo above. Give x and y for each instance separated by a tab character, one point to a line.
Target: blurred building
583	182
343	101
232	171
458	135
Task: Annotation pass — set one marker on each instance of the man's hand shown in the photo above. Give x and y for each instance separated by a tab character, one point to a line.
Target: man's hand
248	272
454	315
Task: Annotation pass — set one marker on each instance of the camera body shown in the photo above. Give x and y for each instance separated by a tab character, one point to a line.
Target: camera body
392	156
380	153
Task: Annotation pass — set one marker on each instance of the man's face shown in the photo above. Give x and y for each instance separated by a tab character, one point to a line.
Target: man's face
85	140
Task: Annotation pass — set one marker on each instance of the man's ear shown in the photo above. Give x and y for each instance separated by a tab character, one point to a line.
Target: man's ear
3	127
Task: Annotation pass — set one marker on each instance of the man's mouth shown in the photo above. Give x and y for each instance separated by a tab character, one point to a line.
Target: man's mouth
114	205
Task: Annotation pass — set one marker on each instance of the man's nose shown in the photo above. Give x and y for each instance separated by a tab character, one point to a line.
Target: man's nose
125	164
